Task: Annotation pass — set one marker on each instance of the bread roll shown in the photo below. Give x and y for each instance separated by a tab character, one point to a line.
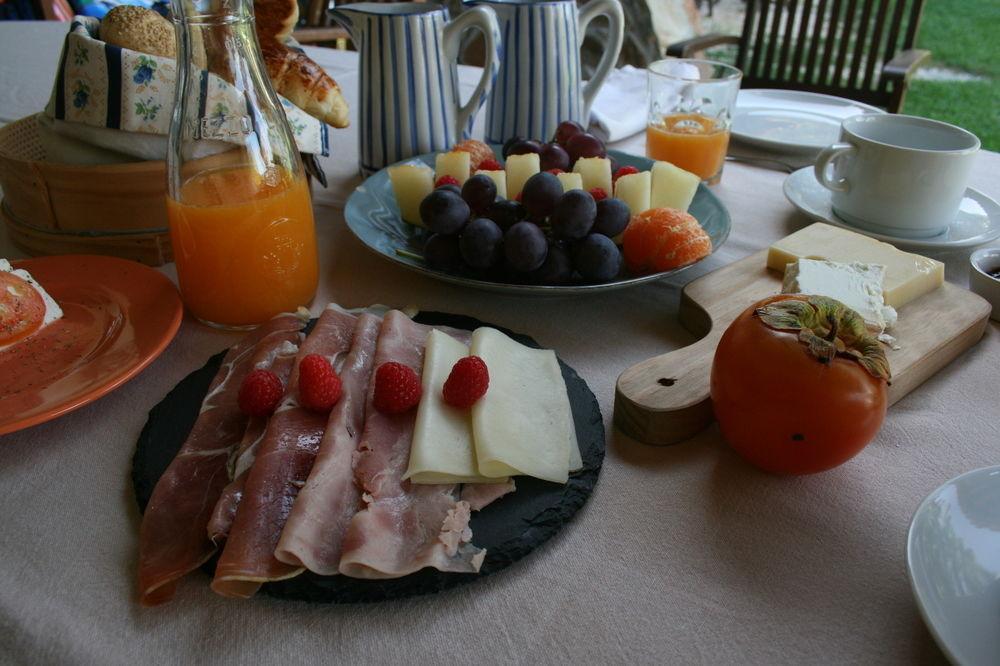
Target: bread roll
139	29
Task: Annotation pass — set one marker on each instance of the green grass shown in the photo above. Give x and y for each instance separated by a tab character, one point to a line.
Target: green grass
961	34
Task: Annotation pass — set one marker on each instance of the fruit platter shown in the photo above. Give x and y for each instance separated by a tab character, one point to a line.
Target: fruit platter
557	218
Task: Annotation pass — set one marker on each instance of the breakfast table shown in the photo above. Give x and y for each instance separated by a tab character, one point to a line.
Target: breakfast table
684	553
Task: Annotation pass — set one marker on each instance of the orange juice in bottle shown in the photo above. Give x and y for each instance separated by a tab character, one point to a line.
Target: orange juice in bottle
694	142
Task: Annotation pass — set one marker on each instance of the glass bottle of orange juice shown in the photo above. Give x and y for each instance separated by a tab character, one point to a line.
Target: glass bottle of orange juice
241	220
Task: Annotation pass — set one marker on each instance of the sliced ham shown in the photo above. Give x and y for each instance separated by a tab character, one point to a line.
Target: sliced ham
480	495
284	458
244	455
402	528
173	539
322	511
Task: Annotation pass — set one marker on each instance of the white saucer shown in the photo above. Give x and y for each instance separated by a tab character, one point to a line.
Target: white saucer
953	558
977	222
792	120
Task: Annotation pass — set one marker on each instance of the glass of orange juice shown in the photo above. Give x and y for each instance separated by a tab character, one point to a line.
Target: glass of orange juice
690	110
238	204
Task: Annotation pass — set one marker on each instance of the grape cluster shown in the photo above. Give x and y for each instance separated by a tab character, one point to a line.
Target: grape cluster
548	237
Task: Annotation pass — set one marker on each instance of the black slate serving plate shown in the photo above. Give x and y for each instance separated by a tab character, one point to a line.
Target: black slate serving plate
509	529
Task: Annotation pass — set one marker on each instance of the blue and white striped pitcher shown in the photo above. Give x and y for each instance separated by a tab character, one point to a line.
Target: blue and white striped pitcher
409	93
538	84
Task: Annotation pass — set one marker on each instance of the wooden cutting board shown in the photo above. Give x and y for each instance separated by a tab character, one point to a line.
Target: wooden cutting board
665	399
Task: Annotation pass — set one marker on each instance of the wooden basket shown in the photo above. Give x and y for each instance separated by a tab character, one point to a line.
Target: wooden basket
50	208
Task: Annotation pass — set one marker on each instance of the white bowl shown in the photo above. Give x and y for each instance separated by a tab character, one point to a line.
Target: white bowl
984	262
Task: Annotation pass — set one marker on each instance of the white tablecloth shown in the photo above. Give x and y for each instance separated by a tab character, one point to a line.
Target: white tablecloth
683	555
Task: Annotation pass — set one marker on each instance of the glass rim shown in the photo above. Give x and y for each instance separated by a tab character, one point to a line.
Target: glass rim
731	73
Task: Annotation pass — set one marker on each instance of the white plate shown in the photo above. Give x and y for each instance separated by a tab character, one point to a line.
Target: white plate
977	222
791	120
953	558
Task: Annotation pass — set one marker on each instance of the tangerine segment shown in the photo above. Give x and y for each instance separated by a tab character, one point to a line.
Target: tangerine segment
22	309
478	151
662	239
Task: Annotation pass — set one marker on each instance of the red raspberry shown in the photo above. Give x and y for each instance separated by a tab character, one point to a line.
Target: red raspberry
467	382
556	172
397	388
260	393
598	193
490	165
446	180
319	385
518	198
624	171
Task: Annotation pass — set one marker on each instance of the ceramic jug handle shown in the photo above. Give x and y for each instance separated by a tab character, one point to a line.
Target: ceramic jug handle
485	20
616	35
827	157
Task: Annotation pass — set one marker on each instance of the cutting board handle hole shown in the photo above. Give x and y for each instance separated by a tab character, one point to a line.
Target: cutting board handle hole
666	381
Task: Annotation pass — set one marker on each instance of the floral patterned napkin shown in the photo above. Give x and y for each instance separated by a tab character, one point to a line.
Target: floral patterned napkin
101	85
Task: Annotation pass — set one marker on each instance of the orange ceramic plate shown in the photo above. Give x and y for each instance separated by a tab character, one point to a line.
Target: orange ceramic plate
118	316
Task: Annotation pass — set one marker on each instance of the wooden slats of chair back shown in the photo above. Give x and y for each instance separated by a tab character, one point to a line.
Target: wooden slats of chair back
830	46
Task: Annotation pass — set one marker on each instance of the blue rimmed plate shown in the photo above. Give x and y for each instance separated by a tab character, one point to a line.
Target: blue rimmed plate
373	216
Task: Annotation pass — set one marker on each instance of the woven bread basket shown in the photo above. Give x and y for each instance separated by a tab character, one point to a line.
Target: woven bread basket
51	208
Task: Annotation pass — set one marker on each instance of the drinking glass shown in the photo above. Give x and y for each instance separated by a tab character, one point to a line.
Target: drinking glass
690	111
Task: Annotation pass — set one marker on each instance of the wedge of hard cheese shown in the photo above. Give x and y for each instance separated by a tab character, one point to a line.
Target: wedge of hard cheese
523	425
907	276
442	449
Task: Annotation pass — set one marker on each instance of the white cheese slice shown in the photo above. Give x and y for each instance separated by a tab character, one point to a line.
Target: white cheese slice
52	309
442	450
856	285
523	425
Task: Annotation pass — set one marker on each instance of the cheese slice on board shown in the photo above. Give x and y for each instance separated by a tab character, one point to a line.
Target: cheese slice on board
856	285
442	450
907	276
524	424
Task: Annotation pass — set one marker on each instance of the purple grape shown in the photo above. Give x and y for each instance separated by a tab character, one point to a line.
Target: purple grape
506	213
585	145
573	215
444	212
479	192
441	252
481	243
566	130
525	247
451	187
524	147
540	194
556	269
597	258
509	143
613	216
554	156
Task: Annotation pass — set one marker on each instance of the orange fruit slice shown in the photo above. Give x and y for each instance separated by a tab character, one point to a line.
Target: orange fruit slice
662	239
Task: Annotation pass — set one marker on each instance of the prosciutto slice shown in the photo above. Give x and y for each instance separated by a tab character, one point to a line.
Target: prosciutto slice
403	527
322	511
244	455
284	458
172	538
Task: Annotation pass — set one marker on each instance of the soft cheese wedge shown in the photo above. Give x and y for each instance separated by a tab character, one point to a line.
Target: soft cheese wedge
442	450
856	285
907	276
523	425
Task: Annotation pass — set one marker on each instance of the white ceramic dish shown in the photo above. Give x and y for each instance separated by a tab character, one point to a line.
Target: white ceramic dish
953	559
977	222
984	262
792	120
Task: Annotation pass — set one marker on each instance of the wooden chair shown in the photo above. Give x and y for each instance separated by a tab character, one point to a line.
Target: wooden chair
859	49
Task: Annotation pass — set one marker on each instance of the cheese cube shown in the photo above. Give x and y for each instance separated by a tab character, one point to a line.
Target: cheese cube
673	187
634	190
570	181
499	178
596	172
907	276
411	183
519	169
856	285
456	164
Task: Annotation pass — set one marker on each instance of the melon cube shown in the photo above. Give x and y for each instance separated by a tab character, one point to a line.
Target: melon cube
570	181
595	171
411	183
673	187
634	190
499	177
457	164
519	169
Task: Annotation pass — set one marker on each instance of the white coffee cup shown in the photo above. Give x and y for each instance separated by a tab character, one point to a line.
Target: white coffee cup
898	175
